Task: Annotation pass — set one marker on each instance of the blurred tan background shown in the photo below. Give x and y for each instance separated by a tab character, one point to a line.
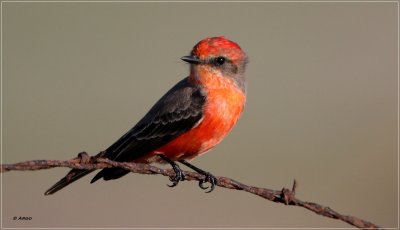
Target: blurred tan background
322	109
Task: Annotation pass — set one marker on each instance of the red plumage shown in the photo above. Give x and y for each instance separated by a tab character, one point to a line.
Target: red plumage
190	119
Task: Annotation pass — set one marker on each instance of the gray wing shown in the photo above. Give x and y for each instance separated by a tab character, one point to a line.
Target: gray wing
175	113
178	111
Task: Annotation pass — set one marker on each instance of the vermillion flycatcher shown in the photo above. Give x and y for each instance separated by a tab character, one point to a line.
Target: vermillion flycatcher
190	119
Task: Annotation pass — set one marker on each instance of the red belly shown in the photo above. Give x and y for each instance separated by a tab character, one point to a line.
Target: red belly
221	112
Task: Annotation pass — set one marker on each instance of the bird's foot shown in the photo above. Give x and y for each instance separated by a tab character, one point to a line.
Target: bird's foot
179	175
208	177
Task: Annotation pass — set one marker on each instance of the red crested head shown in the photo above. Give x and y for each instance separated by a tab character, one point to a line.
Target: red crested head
218	46
218	56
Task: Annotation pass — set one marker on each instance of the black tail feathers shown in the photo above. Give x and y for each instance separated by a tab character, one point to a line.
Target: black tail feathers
110	174
72	176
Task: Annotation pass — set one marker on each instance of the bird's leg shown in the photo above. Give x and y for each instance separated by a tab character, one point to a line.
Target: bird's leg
179	175
208	177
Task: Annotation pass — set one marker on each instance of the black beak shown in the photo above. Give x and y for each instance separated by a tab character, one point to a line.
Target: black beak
191	59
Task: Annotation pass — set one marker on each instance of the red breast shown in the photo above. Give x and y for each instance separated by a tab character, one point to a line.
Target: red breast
224	87
224	105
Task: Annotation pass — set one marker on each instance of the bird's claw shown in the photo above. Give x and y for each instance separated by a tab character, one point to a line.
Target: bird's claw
179	176
208	177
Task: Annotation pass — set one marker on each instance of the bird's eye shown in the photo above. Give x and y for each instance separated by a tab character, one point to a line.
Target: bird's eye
219	61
